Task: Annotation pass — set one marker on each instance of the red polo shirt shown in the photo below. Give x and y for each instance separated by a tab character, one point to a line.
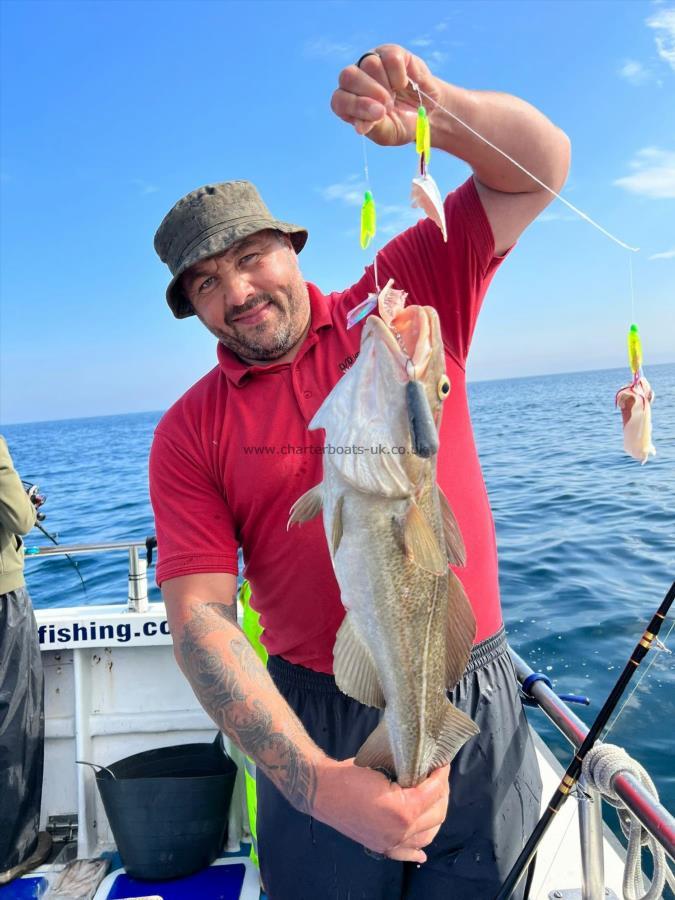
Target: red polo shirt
233	454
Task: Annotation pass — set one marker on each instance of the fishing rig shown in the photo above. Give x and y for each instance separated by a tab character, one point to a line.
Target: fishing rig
636	416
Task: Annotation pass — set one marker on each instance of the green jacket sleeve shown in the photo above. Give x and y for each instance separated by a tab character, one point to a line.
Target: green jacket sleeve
17	513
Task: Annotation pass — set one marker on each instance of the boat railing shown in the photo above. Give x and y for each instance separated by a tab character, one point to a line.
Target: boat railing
137	596
654	817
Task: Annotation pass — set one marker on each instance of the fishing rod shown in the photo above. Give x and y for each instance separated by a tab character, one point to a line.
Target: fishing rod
574	769
37	499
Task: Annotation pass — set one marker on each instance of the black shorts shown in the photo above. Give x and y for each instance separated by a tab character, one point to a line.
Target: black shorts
495	793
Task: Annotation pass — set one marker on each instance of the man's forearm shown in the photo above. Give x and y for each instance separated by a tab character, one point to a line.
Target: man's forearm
235	689
511	124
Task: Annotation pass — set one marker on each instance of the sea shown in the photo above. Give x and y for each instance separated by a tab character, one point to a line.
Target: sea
586	535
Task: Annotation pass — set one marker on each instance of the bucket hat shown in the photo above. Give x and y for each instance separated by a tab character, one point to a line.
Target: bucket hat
209	221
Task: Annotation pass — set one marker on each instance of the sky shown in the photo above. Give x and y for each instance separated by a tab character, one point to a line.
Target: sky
111	111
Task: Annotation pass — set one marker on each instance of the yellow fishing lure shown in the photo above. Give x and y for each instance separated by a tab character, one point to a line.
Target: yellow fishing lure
368	220
634	350
423	134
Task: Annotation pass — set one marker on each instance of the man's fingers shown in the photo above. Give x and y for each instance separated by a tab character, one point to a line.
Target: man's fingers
436	785
362	84
350	106
375	67
421	838
407	854
392	61
431	819
434	789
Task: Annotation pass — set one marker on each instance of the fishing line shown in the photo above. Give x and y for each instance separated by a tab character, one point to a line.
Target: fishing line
523	169
554	856
639	682
367	174
67	555
632	292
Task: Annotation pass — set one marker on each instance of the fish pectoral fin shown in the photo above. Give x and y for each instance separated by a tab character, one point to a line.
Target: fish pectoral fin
354	667
307	506
419	543
337	531
454	542
375	752
461	631
456	730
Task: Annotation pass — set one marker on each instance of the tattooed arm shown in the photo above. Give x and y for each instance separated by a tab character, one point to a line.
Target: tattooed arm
233	686
235	689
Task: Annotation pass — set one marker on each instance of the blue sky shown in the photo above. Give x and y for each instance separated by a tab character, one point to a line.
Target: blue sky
112	111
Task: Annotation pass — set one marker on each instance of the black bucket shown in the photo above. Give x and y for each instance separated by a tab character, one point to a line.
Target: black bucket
168	808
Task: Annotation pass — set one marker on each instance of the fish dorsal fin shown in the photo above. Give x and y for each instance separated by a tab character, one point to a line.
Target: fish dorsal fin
461	631
456	730
375	752
307	506
354	668
454	542
419	543
337	531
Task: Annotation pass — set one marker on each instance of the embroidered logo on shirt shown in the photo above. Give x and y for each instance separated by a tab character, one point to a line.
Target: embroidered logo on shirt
348	362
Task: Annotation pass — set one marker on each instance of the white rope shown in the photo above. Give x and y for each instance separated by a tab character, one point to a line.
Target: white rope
601	765
523	169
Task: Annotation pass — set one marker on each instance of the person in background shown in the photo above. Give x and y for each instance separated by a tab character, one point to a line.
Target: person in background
222	478
22	845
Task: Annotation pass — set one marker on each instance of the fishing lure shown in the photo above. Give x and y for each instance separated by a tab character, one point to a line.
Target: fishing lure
423	134
388	301
634	400
354	316
368	220
425	194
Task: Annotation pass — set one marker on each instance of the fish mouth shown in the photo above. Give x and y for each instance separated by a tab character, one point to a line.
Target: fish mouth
408	339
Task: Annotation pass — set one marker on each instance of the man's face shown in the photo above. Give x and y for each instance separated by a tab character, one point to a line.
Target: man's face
252	297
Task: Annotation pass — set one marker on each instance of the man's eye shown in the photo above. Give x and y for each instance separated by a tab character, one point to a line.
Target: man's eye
206	284
249	258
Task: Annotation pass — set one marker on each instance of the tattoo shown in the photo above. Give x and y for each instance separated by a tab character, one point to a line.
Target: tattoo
241	715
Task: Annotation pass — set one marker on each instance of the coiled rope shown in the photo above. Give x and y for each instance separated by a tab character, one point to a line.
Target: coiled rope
601	765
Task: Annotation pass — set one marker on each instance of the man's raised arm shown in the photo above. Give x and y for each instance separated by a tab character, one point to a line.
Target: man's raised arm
378	100
235	689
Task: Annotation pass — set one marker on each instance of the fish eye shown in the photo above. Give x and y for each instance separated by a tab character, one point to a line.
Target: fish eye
443	387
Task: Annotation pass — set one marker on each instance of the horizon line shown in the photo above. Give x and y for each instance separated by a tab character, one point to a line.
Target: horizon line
141	412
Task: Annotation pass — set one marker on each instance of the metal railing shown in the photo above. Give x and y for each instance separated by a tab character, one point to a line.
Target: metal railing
654	817
137	599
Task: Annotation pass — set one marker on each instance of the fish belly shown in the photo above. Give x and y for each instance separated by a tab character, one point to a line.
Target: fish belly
400	613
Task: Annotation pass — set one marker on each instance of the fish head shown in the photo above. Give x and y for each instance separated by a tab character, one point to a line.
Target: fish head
389	404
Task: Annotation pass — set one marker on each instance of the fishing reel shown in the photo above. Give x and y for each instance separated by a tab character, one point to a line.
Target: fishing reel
35	497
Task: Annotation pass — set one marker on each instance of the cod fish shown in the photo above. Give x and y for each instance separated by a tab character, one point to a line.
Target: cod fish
409	628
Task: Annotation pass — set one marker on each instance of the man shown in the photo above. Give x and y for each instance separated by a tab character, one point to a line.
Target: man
225	468
21	688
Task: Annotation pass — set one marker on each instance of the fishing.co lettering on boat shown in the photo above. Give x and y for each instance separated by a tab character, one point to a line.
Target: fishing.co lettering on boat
98	632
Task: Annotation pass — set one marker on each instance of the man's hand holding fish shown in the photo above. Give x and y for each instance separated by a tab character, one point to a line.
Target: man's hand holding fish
380	610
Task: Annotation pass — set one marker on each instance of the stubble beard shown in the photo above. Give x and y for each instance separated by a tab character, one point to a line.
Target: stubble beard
269	341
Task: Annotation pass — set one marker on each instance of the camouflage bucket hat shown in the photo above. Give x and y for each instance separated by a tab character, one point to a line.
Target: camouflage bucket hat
209	221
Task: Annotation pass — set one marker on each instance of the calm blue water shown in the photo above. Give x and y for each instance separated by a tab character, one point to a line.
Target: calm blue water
586	535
